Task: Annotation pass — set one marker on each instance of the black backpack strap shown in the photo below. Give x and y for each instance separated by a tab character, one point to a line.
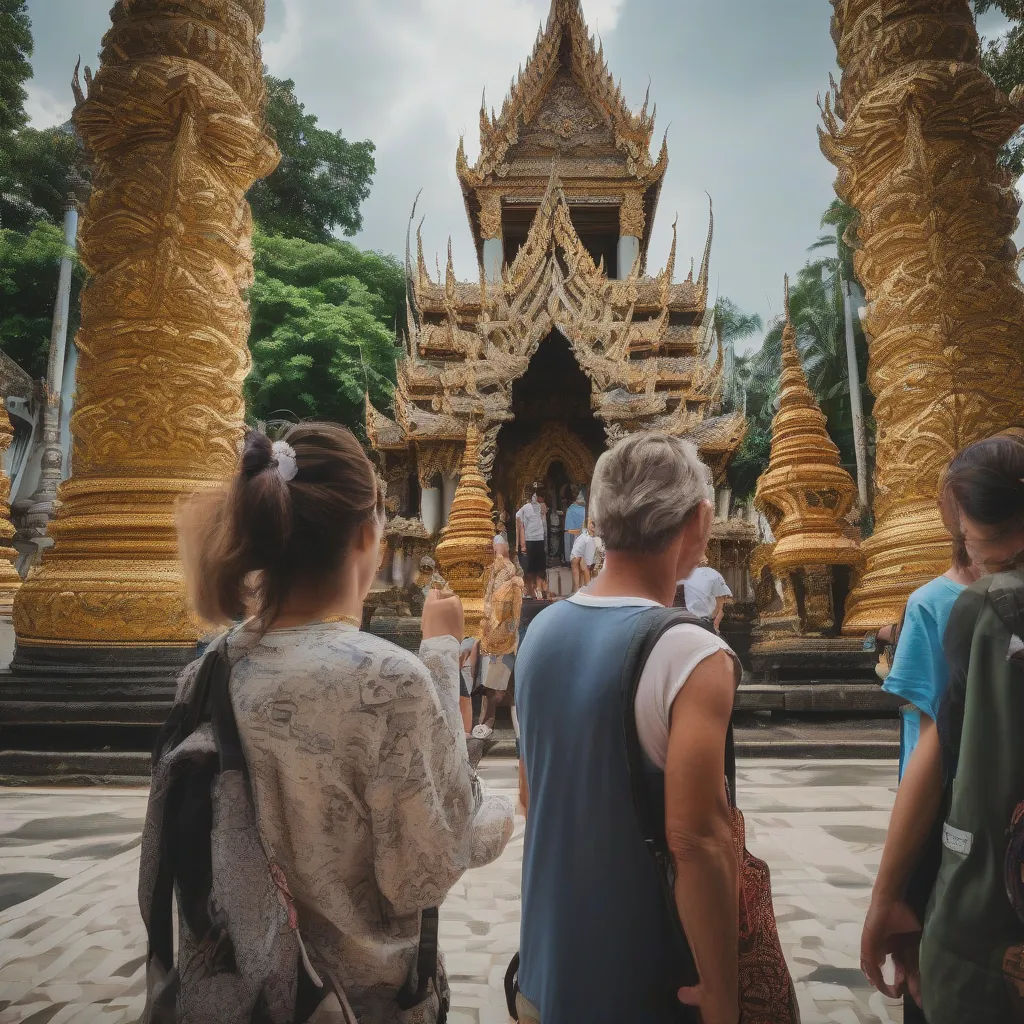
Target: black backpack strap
182	722
647	784
426	968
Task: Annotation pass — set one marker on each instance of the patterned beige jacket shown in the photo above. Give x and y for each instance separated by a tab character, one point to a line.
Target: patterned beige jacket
364	790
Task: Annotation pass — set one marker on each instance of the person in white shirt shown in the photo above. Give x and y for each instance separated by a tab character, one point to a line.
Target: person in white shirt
532	532
584	555
706	593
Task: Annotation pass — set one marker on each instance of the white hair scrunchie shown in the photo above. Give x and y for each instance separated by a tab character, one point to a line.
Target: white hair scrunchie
284	461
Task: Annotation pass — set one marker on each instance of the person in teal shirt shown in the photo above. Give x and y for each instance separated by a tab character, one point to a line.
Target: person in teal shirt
575	517
919	674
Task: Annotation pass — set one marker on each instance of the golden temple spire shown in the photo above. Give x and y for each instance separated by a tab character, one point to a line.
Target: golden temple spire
805	492
465	551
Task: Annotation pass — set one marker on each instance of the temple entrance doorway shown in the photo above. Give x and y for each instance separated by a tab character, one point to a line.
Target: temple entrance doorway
554	440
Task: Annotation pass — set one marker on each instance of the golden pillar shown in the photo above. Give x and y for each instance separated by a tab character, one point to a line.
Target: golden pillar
466	550
173	120
915	132
805	495
10	581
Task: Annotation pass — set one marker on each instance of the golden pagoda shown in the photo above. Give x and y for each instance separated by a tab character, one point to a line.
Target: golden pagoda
563	343
805	495
466	549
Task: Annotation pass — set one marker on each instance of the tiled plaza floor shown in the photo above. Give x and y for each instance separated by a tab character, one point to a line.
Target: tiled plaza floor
72	945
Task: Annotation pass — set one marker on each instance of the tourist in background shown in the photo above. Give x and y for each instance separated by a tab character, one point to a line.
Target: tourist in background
595	942
963	843
705	593
532	531
469	668
919	673
575	517
499	639
584	556
355	747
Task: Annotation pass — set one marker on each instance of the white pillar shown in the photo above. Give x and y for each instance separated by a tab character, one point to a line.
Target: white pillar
494	258
860	442
398	568
724	502
629	253
449	484
430	510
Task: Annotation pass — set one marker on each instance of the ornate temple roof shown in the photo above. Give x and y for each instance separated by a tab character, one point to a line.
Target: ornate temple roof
564	146
564	103
805	493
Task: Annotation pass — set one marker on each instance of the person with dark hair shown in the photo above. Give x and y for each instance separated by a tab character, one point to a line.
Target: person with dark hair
955	839
531	534
355	748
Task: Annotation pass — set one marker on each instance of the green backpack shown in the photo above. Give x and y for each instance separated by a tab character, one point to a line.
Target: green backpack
972	949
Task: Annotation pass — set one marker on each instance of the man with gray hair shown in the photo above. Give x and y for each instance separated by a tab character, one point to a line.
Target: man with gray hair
596	935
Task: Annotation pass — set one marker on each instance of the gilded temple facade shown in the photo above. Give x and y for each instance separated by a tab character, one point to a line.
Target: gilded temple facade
564	342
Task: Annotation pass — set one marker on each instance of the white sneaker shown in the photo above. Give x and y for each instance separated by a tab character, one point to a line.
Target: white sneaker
483	732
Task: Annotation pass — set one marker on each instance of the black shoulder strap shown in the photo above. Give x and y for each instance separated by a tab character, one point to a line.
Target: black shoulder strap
647	784
652	627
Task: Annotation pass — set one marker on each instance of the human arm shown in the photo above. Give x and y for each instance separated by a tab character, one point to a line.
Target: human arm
719	611
430	816
520	533
891	927
699	831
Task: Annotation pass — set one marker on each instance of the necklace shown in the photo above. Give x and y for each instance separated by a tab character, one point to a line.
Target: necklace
349	620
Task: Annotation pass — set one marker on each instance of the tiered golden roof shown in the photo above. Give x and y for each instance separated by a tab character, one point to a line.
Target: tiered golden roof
565	103
805	493
466	551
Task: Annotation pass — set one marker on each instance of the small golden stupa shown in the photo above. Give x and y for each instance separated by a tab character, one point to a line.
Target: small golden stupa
466	550
805	494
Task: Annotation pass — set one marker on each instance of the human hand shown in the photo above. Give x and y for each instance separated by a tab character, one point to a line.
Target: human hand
715	1008
892	929
443	615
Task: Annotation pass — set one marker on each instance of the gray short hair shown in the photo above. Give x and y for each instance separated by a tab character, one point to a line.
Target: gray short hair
645	489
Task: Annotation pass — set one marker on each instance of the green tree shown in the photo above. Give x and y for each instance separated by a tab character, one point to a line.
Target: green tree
818	314
1003	60
46	166
322	330
28	288
322	179
15	67
732	325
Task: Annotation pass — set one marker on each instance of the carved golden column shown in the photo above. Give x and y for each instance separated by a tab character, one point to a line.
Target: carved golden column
915	134
466	550
174	122
805	493
10	581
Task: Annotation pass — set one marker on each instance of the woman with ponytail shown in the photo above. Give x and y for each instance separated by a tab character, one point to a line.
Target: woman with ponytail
355	747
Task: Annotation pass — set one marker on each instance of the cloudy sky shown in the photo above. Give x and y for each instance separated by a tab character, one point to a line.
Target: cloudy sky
736	83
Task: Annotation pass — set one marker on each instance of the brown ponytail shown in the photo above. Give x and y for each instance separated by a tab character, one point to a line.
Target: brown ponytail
248	546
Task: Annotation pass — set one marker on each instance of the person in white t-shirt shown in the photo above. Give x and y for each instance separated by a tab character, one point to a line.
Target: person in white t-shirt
532	533
584	555
706	593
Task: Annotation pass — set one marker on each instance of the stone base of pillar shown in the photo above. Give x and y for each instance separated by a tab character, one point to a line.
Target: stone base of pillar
85	713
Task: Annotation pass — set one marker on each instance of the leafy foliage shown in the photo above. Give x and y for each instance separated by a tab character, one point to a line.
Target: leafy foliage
818	314
45	166
1003	61
28	288
322	179
322	329
15	68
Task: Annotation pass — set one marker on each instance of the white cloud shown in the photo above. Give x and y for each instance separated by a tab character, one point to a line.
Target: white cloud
45	109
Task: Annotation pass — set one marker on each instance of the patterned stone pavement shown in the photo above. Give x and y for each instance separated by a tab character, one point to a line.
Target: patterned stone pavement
72	945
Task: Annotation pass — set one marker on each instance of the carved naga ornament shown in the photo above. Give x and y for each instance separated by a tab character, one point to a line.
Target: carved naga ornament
173	120
915	129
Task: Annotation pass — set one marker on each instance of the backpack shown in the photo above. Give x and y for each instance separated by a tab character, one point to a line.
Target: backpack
972	946
767	993
240	956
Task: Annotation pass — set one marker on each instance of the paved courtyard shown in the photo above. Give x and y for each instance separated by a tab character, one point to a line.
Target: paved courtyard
72	946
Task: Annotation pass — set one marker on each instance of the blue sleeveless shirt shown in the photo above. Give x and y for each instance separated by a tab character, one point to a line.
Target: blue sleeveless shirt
595	936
